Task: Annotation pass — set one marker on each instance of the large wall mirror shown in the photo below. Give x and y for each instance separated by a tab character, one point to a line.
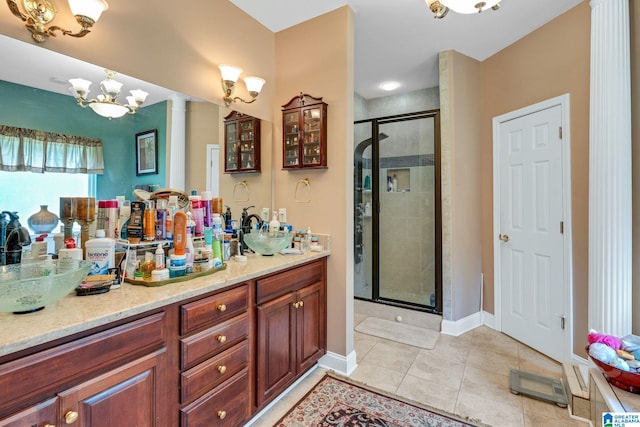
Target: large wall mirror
34	94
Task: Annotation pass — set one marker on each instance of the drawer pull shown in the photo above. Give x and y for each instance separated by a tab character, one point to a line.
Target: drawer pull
222	339
222	414
222	308
222	369
70	417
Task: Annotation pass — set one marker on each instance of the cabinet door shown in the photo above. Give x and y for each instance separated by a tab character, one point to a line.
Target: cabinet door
42	415
291	135
276	362
312	137
231	146
125	397
311	325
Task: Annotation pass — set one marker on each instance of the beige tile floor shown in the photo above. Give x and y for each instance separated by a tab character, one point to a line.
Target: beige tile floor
466	375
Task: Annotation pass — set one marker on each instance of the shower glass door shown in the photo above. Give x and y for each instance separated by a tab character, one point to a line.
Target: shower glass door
397	222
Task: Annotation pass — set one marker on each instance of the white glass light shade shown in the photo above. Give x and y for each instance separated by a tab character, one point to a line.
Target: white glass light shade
468	6
254	84
89	8
229	72
138	95
112	87
109	110
80	87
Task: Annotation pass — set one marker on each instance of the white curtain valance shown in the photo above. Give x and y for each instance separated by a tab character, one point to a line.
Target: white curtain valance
37	151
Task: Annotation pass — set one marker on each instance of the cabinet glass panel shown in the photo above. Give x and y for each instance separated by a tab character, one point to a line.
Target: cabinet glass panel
291	138
231	146
311	141
247	145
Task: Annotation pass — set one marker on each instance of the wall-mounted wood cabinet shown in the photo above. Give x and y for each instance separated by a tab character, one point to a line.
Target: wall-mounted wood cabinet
241	143
304	133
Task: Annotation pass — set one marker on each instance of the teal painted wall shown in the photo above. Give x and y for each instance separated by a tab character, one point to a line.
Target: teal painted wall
23	106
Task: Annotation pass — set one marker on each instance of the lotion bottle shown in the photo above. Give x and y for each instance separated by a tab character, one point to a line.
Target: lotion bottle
70	251
274	225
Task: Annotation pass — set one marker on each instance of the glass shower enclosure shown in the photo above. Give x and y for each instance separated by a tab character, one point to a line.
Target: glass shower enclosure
397	241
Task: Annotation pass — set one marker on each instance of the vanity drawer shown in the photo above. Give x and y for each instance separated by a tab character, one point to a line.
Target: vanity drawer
47	371
279	284
207	375
211	310
203	345
226	405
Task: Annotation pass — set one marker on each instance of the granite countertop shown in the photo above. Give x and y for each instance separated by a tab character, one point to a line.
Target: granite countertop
73	314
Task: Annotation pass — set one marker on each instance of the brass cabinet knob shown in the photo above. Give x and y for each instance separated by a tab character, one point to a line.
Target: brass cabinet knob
222	369
301	304
296	304
222	339
222	414
222	308
49	425
70	417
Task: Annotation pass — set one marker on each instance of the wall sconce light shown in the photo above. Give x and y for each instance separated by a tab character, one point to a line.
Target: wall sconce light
38	13
230	76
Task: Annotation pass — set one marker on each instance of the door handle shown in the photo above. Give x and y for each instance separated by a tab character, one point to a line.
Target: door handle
503	237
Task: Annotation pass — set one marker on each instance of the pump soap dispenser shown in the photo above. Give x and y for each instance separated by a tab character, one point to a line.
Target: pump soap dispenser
274	225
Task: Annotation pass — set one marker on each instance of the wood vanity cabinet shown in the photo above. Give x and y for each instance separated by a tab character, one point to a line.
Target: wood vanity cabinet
215	364
291	318
241	143
304	133
104	379
211	360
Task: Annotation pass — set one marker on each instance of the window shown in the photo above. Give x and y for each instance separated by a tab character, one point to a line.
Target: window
24	192
38	167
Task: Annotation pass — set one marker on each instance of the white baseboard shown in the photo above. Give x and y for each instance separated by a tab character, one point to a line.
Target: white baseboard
466	324
459	327
343	365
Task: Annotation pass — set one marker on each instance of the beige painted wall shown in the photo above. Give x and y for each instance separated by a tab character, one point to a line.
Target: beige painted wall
549	62
316	57
461	176
177	45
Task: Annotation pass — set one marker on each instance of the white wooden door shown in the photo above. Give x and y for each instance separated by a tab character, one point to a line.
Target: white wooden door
532	277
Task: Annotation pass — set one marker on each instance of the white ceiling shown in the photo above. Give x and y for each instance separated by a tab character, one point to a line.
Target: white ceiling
394	40
400	40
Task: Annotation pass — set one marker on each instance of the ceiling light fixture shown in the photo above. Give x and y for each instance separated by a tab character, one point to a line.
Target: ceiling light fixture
106	104
39	13
440	8
230	76
388	86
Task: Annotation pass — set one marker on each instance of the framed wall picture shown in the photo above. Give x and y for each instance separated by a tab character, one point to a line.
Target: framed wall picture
147	152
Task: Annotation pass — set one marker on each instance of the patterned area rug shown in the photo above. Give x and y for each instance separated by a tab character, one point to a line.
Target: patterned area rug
336	402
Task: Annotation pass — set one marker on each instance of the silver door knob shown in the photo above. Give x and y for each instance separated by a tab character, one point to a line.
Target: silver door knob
504	237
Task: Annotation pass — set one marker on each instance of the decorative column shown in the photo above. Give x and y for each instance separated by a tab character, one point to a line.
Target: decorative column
176	153
610	169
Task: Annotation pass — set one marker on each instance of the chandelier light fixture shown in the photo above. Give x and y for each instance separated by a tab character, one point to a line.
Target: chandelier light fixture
106	104
440	8
39	13
230	76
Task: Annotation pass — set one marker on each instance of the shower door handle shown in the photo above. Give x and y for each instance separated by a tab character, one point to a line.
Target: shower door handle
503	237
